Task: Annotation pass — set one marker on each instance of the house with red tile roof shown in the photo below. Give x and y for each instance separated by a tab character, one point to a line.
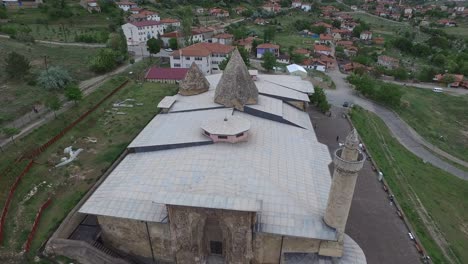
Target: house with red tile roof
207	56
458	79
126	5
246	43
314	64
165	75
322	49
326	39
219	13
303	52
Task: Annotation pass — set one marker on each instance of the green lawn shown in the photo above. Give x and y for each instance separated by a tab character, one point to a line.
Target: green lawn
69	183
441	194
440	118
17	97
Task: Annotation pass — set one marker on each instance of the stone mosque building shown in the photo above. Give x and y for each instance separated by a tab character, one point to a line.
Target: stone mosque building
231	172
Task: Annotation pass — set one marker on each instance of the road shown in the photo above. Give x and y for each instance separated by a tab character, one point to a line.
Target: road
450	91
372	222
401	131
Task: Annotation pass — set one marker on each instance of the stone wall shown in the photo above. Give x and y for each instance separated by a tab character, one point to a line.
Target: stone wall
131	236
190	233
267	247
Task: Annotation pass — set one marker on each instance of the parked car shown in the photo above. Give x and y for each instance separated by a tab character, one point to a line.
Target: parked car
168	50
345	104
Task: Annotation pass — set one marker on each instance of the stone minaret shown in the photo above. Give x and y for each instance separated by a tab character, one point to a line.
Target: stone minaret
348	161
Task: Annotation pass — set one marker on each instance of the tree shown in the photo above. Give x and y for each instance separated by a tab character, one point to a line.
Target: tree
186	16
245	57
153	46
336	23
447	79
104	61
269	34
17	66
173	43
320	100
426	74
54	78
54	104
73	93
11	132
400	73
269	61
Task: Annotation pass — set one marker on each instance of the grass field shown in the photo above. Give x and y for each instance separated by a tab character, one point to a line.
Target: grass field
17	97
433	200
69	183
64	29
440	118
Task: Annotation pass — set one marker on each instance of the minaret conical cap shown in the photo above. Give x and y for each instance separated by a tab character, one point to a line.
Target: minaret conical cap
194	82
236	88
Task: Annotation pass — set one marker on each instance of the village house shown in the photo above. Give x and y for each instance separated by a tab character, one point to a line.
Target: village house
90	5
322	49
200	10
139	32
125	5
271	7
328	27
195	38
306	7
446	22
283	58
388	62
165	75
223	38
379	41
219	13
353	66
260	21
326	39
344	43
239	10
246	43
207	32
267	47
350	51
314	64
143	15
296	4
206	56
329	60
175	23
457	80
366	35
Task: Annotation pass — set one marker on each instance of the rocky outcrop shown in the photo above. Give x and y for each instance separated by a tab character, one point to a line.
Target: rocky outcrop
236	88
194	82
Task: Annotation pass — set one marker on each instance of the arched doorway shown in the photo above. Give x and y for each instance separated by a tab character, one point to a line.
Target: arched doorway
214	241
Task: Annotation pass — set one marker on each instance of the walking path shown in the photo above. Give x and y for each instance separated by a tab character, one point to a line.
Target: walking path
76	44
402	131
32	120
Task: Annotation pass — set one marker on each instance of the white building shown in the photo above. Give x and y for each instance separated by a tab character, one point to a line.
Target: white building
306	7
296	4
225	39
196	37
207	56
295	69
139	32
125	5
366	35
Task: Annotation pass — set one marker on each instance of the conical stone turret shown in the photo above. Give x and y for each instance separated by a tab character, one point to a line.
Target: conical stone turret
194	82
236	88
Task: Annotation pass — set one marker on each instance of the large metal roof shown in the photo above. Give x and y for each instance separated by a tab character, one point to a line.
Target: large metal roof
281	172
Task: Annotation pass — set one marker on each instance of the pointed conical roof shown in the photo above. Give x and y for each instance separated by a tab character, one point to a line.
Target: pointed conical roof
194	82
236	88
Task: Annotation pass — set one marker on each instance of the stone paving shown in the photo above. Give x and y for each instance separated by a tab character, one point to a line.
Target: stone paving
373	222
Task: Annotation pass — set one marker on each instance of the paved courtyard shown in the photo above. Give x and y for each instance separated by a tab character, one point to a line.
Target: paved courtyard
373	222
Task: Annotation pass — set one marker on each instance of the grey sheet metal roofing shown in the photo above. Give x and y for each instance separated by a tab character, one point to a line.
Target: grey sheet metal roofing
281	172
229	125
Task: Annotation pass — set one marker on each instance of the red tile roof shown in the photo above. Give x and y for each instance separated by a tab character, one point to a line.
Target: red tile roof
203	49
302	51
224	36
156	73
321	48
169	20
325	37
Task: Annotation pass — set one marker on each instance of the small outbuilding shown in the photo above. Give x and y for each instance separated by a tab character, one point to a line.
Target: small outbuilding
295	69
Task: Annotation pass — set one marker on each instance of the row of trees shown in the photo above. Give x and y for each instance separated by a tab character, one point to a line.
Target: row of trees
319	99
386	93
